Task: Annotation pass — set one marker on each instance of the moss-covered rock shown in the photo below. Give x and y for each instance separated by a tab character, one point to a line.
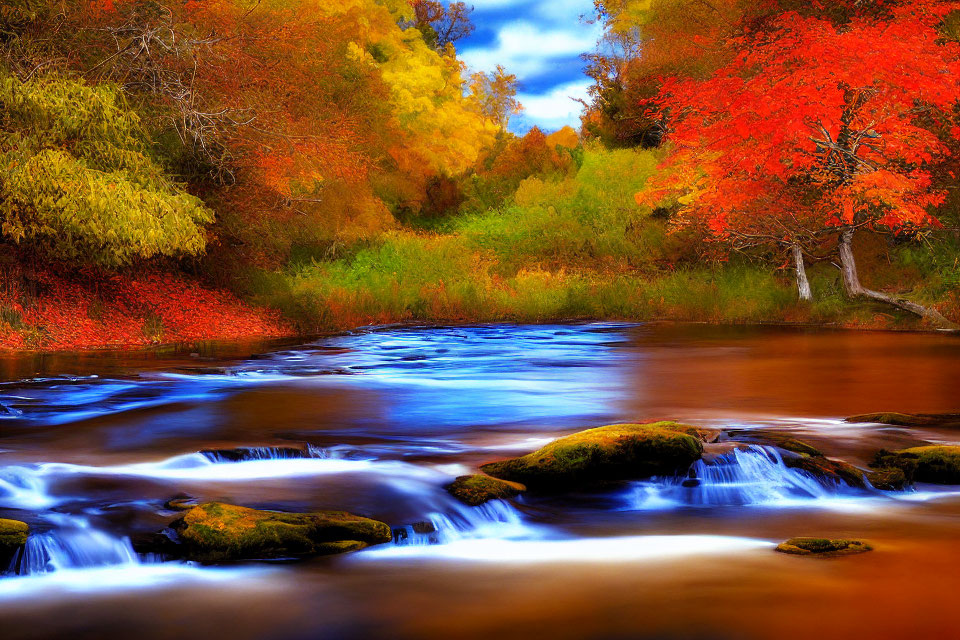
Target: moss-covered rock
823	547
936	464
888	479
949	420
13	535
611	453
476	490
217	532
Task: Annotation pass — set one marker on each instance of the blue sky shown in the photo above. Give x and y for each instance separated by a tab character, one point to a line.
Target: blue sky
540	41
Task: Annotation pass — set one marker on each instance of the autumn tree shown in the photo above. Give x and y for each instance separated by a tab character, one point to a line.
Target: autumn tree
496	95
817	129
442	24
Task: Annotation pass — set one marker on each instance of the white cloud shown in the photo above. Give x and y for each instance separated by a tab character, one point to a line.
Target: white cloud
555	109
565	11
541	35
525	49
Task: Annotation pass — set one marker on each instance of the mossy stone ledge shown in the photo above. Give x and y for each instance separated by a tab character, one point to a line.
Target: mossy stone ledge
823	547
478	489
948	420
935	464
217	532
604	454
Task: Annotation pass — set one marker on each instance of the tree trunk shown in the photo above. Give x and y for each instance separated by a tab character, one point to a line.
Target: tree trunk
803	284
851	283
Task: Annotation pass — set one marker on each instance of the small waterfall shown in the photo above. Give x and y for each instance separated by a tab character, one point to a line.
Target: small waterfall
245	454
76	546
495	519
755	475
256	454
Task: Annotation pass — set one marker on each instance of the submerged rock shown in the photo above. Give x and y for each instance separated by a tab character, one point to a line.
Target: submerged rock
936	464
478	489
217	532
611	453
909	419
13	535
823	547
181	502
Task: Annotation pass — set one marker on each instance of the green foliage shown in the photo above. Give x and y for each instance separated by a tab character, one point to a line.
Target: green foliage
78	183
938	262
589	219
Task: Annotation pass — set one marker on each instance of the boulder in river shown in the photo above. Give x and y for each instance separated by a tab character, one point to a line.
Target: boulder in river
948	420
823	547
479	489
13	535
936	464
218	532
605	454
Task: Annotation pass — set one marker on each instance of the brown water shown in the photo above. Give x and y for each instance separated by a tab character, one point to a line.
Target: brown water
392	416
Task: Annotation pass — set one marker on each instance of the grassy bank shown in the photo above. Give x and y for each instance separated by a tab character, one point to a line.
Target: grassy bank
579	247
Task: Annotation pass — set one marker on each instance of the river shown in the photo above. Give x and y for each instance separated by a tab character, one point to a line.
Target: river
93	445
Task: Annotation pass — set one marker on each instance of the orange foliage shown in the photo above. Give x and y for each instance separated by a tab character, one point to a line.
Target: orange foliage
814	127
534	153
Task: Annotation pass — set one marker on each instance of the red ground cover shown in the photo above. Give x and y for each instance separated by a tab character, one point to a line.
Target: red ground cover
51	311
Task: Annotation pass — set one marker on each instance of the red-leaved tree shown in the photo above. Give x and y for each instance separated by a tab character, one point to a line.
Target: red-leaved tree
816	130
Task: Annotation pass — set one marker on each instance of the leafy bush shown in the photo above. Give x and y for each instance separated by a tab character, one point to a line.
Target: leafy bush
78	183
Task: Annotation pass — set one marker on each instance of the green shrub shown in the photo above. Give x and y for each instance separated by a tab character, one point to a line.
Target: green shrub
78	183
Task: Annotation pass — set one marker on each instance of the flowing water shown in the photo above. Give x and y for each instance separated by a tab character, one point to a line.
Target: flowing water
92	447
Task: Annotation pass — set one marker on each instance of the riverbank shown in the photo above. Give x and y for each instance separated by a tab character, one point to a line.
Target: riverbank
49	311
